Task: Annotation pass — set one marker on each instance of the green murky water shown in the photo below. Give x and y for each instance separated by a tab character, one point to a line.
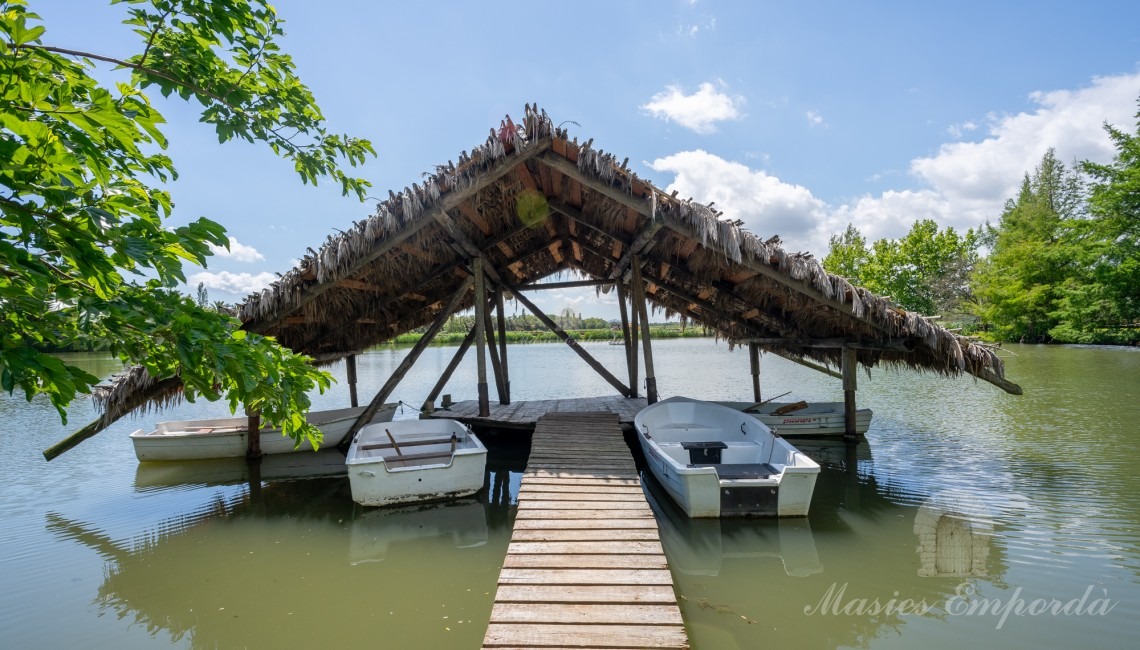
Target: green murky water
965	507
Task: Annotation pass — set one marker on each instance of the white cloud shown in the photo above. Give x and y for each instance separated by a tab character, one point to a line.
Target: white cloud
962	185
958	130
238	252
699	111
238	284
976	178
814	119
767	205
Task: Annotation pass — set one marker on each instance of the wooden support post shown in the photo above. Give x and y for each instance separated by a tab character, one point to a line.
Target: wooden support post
253	435
634	334
598	367
493	348
630	353
849	366
350	370
480	336
643	311
754	362
502	318
408	362
429	403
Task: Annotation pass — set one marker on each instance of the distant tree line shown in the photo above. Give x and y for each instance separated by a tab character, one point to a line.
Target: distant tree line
567	319
1062	263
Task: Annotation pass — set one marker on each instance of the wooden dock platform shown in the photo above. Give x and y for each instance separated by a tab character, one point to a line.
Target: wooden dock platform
525	414
585	567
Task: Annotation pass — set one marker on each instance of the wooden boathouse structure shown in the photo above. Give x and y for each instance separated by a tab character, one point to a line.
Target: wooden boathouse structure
530	202
527	203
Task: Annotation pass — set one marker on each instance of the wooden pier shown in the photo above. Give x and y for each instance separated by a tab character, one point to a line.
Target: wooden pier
585	567
525	414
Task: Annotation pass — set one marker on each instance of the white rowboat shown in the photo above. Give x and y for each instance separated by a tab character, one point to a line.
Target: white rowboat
816	419
414	460
715	461
229	437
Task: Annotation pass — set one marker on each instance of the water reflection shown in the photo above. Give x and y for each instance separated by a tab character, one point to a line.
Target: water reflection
282	557
699	546
844	572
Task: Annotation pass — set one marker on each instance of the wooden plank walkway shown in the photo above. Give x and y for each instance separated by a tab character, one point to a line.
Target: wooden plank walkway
526	414
585	567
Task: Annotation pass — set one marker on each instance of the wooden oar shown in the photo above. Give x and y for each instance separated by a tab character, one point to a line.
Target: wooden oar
394	445
764	402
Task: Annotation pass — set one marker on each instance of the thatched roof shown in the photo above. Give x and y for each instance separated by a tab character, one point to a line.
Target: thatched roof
532	201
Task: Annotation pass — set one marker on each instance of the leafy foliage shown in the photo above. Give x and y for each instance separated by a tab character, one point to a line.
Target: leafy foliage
925	271
86	258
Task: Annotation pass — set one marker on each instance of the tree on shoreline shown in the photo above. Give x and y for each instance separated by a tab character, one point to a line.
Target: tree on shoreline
926	270
86	258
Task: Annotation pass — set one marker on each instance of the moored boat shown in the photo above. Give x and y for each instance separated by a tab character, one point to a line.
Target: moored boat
813	419
414	460
715	461
229	437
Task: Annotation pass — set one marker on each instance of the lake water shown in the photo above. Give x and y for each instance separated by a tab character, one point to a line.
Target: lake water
97	550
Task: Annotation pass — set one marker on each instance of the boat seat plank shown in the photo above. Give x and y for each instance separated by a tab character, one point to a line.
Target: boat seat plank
734	471
419	459
712	444
410	443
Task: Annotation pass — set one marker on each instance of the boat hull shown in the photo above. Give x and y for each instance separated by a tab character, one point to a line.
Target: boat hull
818	419
229	437
425	469
714	461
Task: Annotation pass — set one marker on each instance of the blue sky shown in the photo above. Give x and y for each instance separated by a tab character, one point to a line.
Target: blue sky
796	117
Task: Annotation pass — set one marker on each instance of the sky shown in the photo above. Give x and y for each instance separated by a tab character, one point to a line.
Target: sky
797	118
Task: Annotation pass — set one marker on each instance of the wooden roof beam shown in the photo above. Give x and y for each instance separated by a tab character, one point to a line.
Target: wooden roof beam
769	320
572	284
449	201
891	346
706	307
641	205
576	215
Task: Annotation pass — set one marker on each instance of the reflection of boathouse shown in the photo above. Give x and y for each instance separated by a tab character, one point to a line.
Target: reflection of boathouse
954	532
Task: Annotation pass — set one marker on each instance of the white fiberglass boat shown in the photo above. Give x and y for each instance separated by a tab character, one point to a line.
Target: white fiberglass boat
812	419
715	461
228	437
414	460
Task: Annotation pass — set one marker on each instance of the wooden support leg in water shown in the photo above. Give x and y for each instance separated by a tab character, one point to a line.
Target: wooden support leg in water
643	313
849	366
480	337
253	436
350	371
502	318
496	363
429	403
754	362
630	353
569	340
406	364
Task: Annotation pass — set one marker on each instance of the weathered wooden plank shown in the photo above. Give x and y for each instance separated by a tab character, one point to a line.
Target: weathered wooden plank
566	548
516	635
598	477
560	535
608	509
586	576
597	499
584	561
580	488
621	594
594	614
538	478
543	513
569	523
